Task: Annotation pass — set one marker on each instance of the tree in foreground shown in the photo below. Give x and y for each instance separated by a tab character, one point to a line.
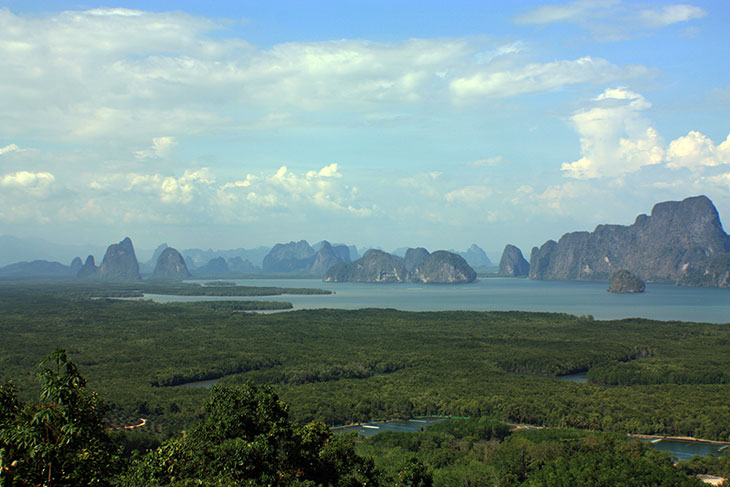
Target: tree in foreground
60	441
246	439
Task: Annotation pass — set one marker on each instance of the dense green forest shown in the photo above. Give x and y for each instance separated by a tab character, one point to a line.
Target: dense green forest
338	366
244	437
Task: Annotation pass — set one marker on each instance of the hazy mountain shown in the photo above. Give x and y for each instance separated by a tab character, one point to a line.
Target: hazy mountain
35	269
120	262
512	263
89	269
680	241
15	249
239	266
354	254
475	256
215	267
76	266
197	257
170	265
400	252
327	256
289	257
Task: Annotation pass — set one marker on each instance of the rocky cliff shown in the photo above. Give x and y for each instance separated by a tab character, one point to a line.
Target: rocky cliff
119	263
443	267
378	266
374	266
624	282
679	240
512	263
170	265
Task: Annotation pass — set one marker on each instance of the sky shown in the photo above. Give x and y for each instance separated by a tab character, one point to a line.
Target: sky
375	123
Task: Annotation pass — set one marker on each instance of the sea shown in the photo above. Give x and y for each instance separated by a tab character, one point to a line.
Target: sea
665	302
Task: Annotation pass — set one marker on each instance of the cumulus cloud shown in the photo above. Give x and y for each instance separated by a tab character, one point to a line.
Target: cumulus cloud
615	137
321	189
695	151
161	148
27	180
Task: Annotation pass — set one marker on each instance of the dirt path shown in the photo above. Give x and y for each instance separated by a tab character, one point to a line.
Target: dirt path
142	422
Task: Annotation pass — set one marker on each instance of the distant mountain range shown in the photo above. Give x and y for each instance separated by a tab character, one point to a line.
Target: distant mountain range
14	249
680	241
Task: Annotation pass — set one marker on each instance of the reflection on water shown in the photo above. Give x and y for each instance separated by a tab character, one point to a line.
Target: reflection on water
579	377
201	383
400	425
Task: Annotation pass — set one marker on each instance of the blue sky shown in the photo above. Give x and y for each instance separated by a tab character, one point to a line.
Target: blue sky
388	124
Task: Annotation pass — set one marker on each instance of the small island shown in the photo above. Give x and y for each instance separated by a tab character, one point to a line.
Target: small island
624	282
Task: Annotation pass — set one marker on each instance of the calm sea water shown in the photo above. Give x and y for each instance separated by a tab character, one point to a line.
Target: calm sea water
660	301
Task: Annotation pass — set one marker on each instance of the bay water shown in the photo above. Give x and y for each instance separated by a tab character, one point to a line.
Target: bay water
659	302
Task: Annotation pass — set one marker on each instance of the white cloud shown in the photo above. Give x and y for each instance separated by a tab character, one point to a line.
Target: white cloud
27	180
9	148
574	11
161	148
670	14
612	20
695	151
469	195
487	162
615	138
118	75
538	77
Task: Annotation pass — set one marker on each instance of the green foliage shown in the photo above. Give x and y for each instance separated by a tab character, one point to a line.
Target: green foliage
246	438
340	366
62	439
545	457
711	465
